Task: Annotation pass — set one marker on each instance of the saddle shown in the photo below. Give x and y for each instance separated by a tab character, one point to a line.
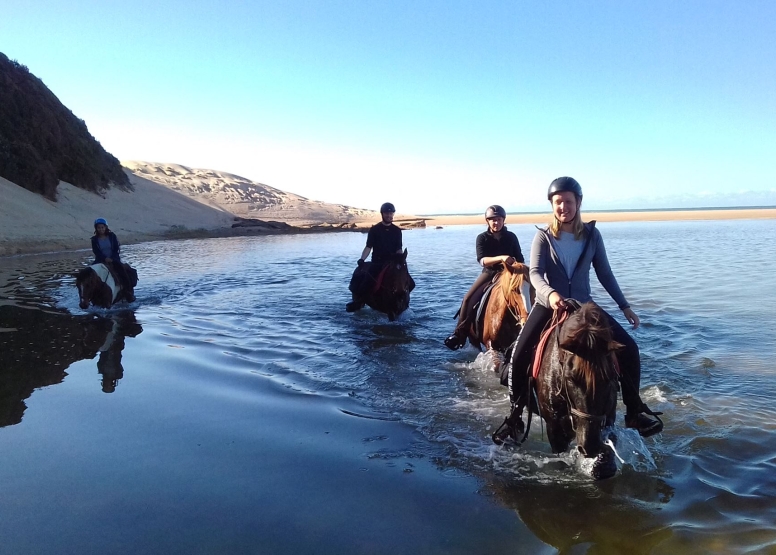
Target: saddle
112	278
479	308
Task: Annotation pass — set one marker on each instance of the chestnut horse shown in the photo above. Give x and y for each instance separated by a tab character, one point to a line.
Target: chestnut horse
503	310
575	375
392	286
98	286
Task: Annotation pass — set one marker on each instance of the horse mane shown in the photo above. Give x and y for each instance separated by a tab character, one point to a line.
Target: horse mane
84	273
511	280
588	337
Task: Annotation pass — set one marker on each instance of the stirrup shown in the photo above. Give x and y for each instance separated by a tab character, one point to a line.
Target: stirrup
509	429
645	426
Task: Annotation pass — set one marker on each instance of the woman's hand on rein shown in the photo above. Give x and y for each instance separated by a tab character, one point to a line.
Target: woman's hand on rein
556	301
508	260
631	317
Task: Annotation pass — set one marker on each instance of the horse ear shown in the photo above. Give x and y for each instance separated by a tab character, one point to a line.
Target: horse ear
614	346
404	256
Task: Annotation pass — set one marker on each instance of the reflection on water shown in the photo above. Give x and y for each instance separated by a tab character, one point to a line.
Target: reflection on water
37	346
592	514
109	362
251	392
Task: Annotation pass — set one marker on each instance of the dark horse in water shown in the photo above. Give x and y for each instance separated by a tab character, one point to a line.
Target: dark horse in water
503	310
388	289
98	285
575	377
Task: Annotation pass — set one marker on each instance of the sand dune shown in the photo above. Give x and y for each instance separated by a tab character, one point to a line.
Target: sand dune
168	201
245	198
31	223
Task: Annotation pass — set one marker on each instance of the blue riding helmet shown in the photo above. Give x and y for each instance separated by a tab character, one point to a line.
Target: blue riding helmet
387	207
100	221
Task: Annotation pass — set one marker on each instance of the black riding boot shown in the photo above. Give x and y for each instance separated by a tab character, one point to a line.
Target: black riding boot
354	305
638	420
512	427
457	339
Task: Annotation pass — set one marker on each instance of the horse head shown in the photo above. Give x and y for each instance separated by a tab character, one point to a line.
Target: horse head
85	283
394	291
514	286
91	289
505	310
589	375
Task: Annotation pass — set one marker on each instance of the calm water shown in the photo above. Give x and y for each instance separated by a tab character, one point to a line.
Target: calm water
236	407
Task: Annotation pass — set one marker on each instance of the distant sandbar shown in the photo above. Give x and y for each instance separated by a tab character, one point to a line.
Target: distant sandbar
641	216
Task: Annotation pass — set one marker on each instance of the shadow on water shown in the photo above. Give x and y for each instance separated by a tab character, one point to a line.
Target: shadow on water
38	345
613	516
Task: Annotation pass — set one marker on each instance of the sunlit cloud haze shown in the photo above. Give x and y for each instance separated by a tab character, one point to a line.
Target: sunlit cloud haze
440	107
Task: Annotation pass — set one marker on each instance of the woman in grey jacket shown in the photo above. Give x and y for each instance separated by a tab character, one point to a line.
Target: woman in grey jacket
561	256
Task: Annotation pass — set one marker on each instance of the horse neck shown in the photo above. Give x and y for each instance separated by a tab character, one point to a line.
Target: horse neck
392	273
97	290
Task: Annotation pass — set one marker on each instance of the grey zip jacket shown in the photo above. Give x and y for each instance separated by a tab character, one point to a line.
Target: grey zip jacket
548	274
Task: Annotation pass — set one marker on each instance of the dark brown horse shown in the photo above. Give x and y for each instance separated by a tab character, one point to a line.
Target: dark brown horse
505	310
576	384
99	286
390	292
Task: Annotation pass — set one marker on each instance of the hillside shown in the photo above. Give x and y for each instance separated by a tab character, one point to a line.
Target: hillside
32	223
43	143
245	198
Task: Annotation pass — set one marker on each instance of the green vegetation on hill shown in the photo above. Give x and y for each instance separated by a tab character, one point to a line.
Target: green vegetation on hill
42	142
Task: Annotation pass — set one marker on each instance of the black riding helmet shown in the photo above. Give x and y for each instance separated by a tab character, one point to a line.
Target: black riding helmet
495	211
563	184
387	207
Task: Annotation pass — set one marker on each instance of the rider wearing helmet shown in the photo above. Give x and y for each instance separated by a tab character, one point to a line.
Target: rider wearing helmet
106	248
561	257
496	246
383	241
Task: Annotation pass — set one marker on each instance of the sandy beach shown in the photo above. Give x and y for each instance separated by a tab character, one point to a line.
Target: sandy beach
646	216
171	201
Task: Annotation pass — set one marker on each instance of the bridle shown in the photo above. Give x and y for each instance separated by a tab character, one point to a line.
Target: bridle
574	412
592	418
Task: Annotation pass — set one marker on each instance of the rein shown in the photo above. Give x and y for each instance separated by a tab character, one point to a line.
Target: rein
379	279
558	317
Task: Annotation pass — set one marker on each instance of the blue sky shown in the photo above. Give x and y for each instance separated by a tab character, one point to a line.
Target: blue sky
438	106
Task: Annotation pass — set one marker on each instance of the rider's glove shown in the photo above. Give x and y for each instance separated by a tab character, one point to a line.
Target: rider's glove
360	262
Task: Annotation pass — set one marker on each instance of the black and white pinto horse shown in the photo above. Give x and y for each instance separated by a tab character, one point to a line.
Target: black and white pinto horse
98	285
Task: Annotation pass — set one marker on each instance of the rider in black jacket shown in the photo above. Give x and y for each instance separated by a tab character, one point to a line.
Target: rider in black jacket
383	241
495	247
